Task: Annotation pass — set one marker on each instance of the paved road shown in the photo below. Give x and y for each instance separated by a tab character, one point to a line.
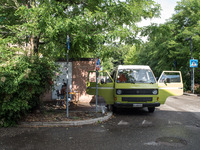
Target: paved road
175	125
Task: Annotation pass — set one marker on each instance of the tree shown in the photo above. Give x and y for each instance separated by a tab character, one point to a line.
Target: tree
166	48
114	55
45	24
131	56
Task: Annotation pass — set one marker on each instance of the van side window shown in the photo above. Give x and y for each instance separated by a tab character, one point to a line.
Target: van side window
113	75
172	77
104	78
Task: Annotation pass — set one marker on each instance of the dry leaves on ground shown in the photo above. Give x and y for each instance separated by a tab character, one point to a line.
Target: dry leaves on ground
51	113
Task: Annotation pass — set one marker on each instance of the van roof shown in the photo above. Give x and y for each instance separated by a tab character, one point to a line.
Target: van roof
133	67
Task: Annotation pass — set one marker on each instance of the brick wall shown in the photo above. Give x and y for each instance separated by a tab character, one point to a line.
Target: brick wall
79	77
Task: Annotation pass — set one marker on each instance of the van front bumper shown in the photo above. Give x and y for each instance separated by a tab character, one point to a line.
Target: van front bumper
135	105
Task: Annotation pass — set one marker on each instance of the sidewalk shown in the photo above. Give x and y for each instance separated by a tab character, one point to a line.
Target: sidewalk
80	107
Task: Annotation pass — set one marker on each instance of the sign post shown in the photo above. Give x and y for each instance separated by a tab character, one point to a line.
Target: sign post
193	64
98	65
192	70
67	92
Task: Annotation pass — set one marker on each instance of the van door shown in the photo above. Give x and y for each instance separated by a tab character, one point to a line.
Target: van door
105	85
170	84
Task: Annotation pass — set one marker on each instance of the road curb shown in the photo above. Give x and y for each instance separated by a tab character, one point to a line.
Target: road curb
190	94
66	123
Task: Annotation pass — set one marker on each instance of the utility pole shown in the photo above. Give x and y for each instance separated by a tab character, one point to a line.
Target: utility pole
192	68
67	92
98	65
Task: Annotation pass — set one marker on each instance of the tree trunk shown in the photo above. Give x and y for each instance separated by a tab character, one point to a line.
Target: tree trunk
36	45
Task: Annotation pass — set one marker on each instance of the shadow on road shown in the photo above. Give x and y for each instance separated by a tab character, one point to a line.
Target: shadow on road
132	111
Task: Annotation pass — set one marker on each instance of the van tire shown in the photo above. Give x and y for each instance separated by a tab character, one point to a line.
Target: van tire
151	109
114	109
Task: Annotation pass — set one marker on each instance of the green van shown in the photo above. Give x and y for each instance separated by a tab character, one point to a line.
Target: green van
135	86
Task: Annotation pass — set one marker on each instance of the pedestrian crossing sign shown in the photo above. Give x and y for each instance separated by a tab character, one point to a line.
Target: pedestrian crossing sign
193	63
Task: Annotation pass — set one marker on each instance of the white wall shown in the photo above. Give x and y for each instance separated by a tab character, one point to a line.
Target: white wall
62	75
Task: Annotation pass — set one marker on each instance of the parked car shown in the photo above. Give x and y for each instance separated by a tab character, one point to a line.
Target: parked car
135	86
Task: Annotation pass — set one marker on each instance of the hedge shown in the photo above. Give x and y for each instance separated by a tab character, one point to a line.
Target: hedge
23	79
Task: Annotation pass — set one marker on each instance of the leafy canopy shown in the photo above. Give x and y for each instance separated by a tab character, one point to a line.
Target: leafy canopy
166	48
44	24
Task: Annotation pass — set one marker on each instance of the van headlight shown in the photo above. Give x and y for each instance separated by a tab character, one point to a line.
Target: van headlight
155	92
119	92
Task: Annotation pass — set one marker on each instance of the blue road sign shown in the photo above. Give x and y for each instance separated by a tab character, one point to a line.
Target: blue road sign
193	63
98	63
68	42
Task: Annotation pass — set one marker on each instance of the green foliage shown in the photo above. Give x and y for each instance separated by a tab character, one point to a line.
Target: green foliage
131	57
45	24
167	49
114	55
22	81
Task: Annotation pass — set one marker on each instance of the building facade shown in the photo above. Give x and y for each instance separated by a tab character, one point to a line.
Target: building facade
77	78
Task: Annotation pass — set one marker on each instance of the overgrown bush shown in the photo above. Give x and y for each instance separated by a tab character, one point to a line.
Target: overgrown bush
23	79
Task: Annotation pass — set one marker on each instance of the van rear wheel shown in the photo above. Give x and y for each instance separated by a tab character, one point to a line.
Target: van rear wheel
151	109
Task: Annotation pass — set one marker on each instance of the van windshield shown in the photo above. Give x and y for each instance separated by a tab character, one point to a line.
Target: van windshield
135	76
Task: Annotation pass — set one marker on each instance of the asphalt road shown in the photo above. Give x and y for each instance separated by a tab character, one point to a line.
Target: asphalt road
175	125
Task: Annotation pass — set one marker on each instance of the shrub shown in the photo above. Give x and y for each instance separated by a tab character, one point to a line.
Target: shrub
23	79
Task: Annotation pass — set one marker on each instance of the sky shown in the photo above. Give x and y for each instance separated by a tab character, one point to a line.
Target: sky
167	9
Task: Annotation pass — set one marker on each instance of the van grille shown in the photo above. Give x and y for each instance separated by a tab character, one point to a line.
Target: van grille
136	91
137	99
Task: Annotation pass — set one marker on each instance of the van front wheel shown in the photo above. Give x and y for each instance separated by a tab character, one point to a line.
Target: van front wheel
151	109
